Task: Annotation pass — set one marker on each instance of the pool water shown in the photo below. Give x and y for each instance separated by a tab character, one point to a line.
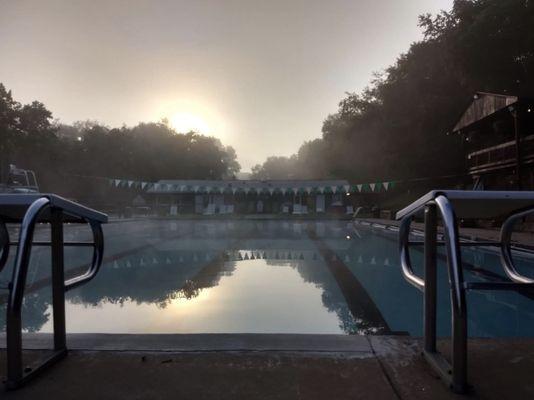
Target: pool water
235	276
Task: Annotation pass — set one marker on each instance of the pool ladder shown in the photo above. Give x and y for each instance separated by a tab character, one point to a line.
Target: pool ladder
454	374
56	211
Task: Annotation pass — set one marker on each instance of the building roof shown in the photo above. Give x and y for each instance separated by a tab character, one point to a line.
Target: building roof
484	105
233	186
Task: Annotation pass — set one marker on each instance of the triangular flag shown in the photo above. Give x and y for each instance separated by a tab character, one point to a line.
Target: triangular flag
373	185
386	185
334	189
347	188
359	187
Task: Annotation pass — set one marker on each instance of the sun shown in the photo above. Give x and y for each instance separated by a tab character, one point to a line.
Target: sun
183	122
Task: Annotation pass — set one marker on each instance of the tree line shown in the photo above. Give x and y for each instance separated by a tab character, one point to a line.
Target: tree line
397	128
31	139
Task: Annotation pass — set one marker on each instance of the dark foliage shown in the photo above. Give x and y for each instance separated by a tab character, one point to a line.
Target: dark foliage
397	127
149	151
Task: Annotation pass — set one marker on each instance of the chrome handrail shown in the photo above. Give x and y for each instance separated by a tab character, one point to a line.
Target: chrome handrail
98	254
22	258
16	376
456	376
506	250
404	249
4	245
452	246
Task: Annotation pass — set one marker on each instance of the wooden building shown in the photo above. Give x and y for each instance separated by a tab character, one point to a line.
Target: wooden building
498	134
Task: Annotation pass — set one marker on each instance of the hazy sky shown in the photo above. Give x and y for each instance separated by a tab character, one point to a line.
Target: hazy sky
260	75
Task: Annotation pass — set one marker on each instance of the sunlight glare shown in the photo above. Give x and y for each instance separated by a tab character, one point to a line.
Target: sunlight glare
183	122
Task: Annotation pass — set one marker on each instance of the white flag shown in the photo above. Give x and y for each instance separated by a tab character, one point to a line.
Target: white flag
373	185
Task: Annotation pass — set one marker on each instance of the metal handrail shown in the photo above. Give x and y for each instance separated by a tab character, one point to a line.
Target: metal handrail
4	245
506	251
98	255
451	243
16	375
22	259
406	263
453	252
456	376
26	236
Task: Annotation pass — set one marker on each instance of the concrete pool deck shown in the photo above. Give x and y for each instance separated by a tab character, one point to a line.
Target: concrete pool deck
268	366
519	238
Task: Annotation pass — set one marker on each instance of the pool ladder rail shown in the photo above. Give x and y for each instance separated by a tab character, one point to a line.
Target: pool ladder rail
28	210
470	204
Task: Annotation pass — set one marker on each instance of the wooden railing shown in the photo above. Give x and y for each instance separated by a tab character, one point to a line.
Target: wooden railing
500	156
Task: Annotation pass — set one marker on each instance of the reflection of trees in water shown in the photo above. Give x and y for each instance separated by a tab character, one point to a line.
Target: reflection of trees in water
154	277
312	269
34	311
317	273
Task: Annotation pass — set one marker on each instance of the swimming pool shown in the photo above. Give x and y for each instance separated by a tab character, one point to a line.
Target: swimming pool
265	276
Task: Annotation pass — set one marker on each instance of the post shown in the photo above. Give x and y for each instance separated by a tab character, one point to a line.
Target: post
459	352
430	278
58	279
517	148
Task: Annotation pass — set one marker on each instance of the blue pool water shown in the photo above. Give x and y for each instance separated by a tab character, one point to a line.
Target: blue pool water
234	276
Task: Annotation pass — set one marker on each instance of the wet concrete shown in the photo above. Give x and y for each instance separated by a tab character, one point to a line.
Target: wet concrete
270	367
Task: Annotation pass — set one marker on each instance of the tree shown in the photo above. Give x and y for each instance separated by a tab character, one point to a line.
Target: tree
397	127
149	151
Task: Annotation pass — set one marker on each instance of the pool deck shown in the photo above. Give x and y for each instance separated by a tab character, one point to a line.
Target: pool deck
521	238
268	366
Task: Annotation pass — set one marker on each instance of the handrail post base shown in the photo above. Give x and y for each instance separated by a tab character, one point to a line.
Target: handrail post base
30	373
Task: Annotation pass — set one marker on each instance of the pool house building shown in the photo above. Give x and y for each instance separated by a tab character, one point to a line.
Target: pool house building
211	197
